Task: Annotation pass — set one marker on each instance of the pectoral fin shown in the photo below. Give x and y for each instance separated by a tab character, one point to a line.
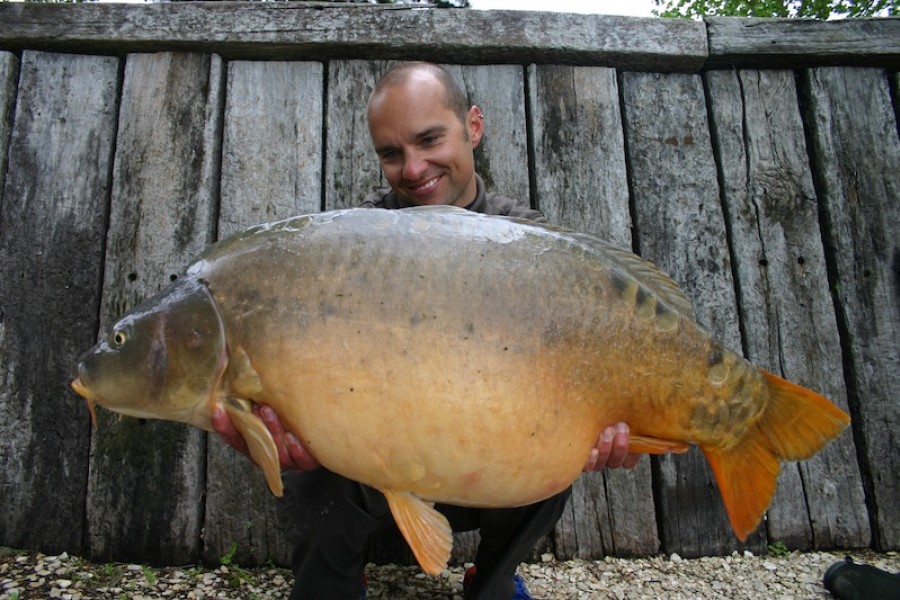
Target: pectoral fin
259	442
426	530
641	444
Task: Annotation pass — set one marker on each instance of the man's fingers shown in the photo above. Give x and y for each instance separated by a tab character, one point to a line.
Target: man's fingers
619	447
611	450
301	459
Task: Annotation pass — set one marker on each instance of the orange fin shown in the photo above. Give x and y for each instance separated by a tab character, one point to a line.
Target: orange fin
746	475
259	442
642	444
795	424
426	530
799	422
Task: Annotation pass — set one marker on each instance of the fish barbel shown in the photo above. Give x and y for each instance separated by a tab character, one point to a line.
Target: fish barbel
439	355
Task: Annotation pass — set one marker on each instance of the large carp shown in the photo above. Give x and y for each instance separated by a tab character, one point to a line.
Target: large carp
439	355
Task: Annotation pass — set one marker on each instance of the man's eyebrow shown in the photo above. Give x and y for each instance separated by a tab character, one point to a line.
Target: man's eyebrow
433	130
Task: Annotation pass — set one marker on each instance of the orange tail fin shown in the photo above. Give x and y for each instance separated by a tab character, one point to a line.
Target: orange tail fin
796	424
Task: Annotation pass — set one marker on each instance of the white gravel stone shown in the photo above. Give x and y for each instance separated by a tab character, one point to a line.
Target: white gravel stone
739	576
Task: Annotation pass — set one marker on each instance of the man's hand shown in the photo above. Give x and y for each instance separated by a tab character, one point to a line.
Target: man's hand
611	450
291	453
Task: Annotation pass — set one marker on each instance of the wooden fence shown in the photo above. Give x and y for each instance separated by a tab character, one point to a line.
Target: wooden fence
757	161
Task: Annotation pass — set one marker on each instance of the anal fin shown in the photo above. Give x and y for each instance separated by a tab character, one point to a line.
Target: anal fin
427	531
642	444
259	442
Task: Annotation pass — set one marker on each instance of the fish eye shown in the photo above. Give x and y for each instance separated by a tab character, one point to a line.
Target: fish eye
119	337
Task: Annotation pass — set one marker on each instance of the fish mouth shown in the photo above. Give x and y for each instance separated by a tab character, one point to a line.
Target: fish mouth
82	391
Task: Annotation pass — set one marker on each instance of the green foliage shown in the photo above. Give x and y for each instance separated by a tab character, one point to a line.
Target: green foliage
778	549
816	9
149	575
228	558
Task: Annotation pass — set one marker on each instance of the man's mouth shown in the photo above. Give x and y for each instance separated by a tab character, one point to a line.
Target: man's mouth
427	186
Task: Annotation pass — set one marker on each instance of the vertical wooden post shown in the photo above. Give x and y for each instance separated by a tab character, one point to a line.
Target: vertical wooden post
52	224
856	153
147	480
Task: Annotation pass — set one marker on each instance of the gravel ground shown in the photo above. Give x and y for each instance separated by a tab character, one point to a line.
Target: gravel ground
787	576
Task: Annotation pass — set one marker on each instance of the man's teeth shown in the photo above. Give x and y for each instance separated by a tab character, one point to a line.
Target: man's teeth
427	185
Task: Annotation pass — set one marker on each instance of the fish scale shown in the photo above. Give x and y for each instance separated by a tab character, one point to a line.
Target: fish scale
432	352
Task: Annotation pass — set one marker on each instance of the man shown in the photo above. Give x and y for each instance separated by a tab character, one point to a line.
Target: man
425	135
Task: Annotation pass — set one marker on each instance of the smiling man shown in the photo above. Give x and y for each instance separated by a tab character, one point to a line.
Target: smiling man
425	134
425	138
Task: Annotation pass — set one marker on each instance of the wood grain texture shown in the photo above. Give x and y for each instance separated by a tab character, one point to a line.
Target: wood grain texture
793	43
579	150
271	170
351	165
147	478
786	309
307	31
856	155
52	224
9	74
680	227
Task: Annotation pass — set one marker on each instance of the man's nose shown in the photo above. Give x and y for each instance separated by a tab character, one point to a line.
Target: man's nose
414	166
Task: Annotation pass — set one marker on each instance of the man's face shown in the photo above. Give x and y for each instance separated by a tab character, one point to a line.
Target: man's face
426	152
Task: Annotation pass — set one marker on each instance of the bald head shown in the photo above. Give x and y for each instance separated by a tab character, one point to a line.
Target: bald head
409	73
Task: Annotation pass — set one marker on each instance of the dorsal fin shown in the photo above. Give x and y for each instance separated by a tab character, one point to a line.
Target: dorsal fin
629	263
644	271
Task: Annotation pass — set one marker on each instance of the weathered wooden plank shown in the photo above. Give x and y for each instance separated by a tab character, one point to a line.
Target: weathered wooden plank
271	169
52	227
857	173
272	149
147	479
579	150
680	226
351	166
785	304
294	31
580	182
896	83
793	43
9	72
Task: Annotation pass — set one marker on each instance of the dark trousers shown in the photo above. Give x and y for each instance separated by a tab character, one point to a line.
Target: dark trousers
329	519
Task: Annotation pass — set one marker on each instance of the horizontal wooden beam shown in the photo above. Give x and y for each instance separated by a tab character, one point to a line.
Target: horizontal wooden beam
324	31
302	30
792	43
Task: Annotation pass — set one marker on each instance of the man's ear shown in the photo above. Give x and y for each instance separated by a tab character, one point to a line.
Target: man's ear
475	125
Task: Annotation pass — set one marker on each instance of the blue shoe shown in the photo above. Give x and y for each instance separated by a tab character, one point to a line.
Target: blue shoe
521	592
